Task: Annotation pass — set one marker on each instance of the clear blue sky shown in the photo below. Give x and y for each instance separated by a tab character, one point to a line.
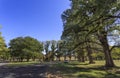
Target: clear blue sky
40	19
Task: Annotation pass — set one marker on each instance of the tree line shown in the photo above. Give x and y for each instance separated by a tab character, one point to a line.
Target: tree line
27	48
89	27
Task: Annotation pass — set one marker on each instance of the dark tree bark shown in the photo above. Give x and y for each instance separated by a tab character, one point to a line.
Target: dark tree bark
90	57
28	59
65	56
108	58
59	58
83	58
80	55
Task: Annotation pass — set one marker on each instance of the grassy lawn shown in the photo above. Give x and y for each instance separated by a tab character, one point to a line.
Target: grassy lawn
22	63
85	70
79	70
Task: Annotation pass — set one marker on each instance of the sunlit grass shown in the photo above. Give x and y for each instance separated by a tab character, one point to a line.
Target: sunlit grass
76	69
84	70
22	63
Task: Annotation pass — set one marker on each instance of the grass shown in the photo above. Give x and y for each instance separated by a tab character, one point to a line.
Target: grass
85	70
22	63
76	69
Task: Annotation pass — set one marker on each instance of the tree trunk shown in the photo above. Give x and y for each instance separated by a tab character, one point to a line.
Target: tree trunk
108	58
70	57
21	59
79	56
83	58
59	58
28	59
90	57
65	56
33	59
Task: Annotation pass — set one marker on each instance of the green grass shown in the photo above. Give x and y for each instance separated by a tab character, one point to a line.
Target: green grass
79	70
85	70
22	63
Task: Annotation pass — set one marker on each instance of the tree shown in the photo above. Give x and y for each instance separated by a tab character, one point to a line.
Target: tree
33	45
4	51
25	48
116	53
46	48
59	51
95	17
53	49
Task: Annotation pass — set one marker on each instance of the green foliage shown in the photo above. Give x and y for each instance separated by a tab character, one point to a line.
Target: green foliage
91	18
50	48
4	51
116	53
53	45
46	46
25	47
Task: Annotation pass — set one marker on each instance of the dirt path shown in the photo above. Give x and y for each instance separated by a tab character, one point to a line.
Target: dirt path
33	71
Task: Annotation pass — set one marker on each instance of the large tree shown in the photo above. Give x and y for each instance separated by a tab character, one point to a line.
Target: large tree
95	18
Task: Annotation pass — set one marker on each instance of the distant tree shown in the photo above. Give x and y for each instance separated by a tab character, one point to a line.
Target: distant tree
16	48
25	48
46	48
59	51
28	54
33	45
50	49
53	49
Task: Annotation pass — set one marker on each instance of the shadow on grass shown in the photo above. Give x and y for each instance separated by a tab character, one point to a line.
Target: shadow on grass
79	64
73	71
99	75
34	71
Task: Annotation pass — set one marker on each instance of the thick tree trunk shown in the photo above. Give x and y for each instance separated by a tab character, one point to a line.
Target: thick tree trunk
108	58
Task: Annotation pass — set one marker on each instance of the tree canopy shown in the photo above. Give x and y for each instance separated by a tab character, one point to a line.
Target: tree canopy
25	47
92	18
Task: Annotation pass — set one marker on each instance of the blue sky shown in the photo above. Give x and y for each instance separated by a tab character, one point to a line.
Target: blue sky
40	19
